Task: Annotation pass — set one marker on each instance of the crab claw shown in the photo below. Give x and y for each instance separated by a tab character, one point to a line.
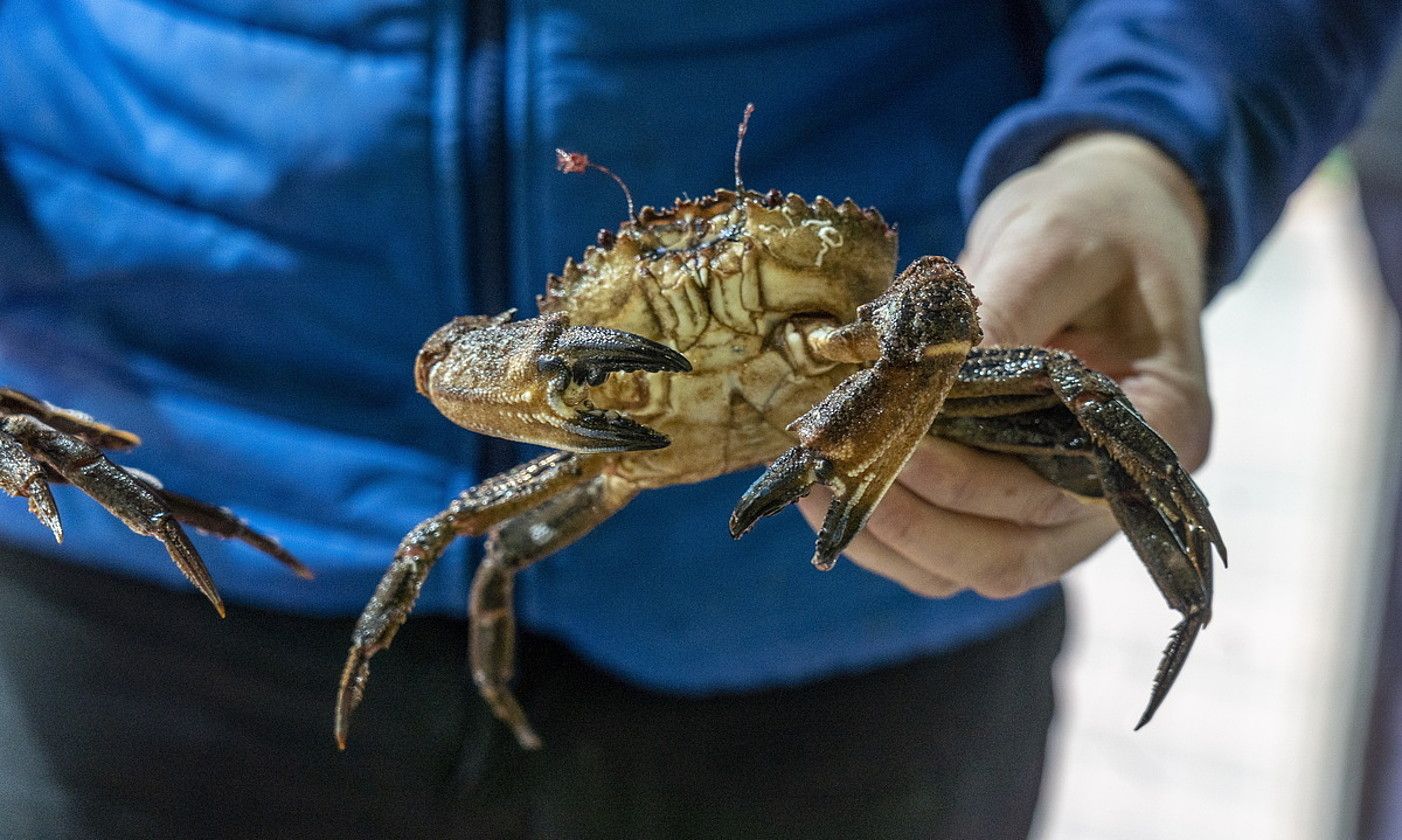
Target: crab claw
786	481
529	380
594	352
858	438
790	478
586	356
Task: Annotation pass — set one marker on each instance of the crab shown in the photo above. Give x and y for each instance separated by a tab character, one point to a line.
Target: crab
742	328
42	444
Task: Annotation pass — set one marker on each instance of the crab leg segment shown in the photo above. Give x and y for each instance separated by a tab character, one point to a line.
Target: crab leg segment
1157	504
1187	586
224	523
22	476
125	496
472	513
858	438
1047	408
514	545
529	380
68	421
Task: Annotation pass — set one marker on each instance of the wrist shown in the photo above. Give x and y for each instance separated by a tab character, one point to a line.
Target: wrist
1113	148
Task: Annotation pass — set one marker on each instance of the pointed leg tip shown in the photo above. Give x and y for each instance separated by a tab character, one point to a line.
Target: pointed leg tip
42	505
55	528
528	739
350	691
208	591
823	561
341	732
298	568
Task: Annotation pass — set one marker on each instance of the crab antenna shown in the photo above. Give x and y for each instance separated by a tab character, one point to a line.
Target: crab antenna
573	162
740	141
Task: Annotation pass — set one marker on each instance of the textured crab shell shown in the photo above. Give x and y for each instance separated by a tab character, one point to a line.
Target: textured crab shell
728	279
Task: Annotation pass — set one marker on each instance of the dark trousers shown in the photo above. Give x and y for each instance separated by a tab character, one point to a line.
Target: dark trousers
130	711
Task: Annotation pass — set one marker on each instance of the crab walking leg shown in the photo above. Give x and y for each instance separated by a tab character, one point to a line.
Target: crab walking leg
858	438
1059	413
68	421
471	514
1018	381
128	498
512	546
224	523
1155	501
1185	583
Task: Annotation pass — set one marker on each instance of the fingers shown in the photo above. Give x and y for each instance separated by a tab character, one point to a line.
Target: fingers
936	552
876	556
959	478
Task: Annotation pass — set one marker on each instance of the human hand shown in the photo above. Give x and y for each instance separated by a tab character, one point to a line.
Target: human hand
1098	249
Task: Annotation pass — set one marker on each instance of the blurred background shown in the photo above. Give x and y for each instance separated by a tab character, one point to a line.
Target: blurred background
1263	735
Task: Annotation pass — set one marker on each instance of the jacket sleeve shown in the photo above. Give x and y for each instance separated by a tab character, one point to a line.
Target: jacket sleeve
1246	96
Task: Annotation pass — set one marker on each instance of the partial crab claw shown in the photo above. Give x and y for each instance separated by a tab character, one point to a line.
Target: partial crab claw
858	438
529	380
592	353
787	480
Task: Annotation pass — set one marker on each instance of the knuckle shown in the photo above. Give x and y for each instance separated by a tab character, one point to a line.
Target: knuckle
960	485
935	588
1007	580
1050	508
893	521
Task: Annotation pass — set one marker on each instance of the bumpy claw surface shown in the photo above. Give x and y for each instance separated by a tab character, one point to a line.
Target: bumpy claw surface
788	479
529	380
42	444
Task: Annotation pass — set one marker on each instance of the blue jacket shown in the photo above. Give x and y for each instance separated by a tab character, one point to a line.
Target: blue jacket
228	225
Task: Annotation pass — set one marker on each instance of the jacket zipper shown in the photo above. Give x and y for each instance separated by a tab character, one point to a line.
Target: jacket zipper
485	164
